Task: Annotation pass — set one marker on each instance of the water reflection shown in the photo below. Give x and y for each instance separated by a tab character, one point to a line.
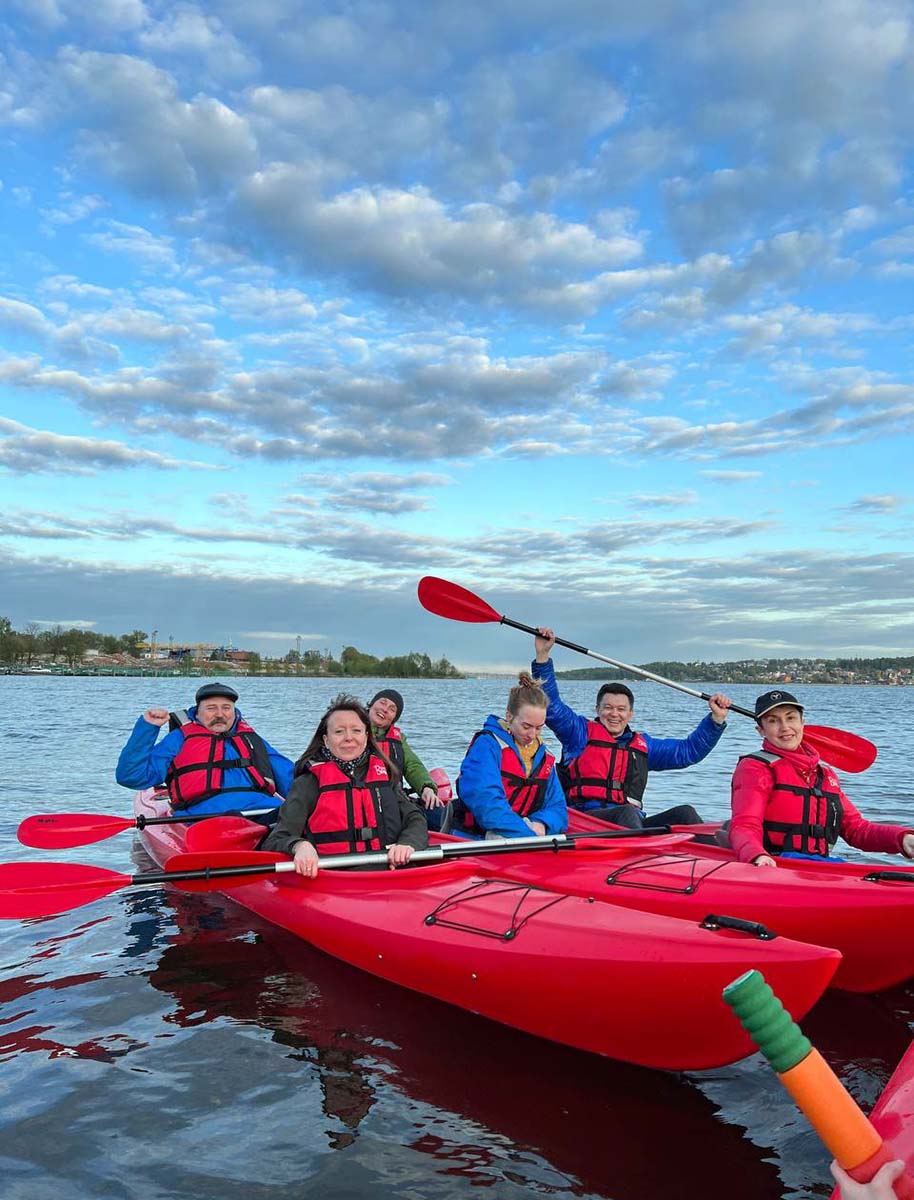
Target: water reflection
593	1122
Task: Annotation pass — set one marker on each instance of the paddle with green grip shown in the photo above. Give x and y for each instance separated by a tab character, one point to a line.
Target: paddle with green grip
816	1089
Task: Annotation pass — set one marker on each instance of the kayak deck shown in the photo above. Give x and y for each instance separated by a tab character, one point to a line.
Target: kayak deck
857	908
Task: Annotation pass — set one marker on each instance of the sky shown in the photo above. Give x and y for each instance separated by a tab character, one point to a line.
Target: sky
601	310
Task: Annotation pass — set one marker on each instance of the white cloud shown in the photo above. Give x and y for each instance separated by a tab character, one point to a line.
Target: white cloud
150	249
403	241
887	503
26	451
137	127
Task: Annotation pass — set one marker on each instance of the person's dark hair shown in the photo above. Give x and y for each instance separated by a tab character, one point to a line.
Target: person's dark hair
527	691
615	689
343	703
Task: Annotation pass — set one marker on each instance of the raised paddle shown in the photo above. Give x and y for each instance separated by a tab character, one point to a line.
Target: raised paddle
44	889
846	751
63	831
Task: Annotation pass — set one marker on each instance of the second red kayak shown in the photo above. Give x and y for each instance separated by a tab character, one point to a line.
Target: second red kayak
866	912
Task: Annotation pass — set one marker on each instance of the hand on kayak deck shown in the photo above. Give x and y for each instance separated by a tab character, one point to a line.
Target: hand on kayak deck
719	704
399	856
306	860
879	1187
763	860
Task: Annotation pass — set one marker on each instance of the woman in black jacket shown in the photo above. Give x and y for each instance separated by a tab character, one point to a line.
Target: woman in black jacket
346	797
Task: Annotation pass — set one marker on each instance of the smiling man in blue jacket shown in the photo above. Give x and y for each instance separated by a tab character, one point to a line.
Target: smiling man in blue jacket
212	761
605	763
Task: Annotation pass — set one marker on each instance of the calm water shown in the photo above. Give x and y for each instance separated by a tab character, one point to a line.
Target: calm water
156	1044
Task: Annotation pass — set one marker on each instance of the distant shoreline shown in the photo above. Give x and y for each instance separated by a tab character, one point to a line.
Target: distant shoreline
219	669
595	674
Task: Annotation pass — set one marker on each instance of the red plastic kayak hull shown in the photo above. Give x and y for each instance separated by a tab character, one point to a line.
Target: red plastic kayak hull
870	921
552	964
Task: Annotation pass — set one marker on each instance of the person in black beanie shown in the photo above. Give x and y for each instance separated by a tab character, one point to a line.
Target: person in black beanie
384	711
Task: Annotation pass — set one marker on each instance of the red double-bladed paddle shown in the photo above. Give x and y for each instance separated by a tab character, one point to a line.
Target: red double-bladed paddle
846	751
29	889
63	831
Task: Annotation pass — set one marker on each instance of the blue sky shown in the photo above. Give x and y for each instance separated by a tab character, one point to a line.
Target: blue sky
601	310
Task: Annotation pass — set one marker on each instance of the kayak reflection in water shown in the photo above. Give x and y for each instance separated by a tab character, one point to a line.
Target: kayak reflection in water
605	763
508	785
346	797
786	802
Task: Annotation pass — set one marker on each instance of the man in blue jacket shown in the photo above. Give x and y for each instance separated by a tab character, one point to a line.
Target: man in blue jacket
212	761
605	763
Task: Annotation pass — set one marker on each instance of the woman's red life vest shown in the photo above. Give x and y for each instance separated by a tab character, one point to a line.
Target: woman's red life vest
391	744
347	818
197	771
800	816
605	772
525	793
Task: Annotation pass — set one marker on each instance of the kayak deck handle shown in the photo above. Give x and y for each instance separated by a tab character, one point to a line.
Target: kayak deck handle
756	928
889	876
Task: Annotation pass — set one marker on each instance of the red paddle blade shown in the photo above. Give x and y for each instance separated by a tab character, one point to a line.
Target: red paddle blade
448	600
61	831
43	889
443	780
844	750
223	833
253	860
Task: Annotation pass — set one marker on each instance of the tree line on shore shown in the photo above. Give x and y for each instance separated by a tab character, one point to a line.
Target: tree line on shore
767	670
25	648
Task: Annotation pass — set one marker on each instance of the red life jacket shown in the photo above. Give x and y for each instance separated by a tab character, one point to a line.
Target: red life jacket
348	816
800	816
605	772
525	793
391	744
197	771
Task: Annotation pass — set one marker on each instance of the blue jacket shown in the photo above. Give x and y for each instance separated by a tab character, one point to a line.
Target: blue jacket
482	791
663	754
143	764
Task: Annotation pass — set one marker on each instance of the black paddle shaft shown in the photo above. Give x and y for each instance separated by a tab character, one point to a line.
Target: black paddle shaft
680	687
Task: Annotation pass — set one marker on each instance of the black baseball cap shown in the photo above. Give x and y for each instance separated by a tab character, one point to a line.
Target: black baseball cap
215	689
769	700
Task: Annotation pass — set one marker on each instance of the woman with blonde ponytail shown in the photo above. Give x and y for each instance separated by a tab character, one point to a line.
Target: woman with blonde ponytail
508	786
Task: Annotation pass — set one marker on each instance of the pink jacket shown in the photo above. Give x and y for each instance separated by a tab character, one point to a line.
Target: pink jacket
751	791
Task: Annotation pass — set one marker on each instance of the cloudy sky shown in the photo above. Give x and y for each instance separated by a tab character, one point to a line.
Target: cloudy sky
601	309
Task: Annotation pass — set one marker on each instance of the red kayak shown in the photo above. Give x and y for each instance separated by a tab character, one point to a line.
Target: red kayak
552	964
866	912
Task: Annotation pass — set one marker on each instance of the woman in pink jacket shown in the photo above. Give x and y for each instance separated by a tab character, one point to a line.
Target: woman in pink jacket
786	802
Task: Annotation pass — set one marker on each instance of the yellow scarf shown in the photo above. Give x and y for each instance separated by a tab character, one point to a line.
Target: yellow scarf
527	753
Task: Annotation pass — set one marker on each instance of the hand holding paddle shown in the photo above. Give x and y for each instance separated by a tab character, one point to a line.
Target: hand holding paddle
846	751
